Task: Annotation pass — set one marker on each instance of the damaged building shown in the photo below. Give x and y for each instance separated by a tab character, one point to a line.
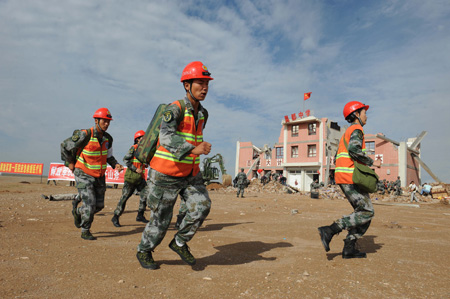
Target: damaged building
306	150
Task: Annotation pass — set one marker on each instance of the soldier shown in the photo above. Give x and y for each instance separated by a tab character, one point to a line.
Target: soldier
314	185
358	222
175	170
94	151
380	186
398	186
241	180
134	180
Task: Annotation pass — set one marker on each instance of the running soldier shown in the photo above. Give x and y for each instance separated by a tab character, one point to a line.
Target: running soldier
134	180
358	222
93	150
174	170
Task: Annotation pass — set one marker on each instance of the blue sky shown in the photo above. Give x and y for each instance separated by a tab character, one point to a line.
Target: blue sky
61	60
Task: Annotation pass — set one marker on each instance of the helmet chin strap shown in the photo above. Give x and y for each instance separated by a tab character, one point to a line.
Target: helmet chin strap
360	122
190	92
98	127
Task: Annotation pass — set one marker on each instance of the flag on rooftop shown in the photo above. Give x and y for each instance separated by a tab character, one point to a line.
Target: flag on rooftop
307	95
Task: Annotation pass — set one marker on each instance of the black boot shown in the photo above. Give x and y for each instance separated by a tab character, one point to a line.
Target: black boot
115	221
327	233
179	220
350	251
141	218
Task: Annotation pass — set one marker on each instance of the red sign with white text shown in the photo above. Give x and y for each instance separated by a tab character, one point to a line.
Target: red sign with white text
58	171
22	168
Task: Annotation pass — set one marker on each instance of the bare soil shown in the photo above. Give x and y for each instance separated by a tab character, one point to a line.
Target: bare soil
252	247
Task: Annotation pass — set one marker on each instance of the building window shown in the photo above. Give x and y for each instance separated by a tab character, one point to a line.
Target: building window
312	129
279	153
267	155
312	150
294	131
370	147
294	151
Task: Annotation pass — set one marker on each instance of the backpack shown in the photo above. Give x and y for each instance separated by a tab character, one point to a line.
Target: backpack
147	146
75	153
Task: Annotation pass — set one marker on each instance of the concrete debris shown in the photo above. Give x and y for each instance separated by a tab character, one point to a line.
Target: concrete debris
334	192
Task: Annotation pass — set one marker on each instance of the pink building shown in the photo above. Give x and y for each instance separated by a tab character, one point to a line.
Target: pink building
306	148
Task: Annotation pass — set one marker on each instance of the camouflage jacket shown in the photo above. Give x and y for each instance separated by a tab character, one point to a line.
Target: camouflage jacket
72	144
241	178
128	159
168	137
355	148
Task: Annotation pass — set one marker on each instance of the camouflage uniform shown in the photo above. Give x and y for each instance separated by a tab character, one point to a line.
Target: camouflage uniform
91	190
129	188
164	189
398	187
380	187
241	183
358	222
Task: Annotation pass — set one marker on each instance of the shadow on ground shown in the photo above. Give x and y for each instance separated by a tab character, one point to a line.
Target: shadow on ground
234	254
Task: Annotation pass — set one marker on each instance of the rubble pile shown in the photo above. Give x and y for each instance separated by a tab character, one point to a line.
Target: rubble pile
334	192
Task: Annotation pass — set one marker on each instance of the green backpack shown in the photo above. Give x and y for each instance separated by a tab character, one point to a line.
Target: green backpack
363	175
147	146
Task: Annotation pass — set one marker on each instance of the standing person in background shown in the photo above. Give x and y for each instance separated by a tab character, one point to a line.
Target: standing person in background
175	170
413	189
358	222
134	180
241	179
93	150
398	186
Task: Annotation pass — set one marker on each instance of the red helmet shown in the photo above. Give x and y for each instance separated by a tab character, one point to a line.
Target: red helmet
139	134
103	113
352	106
195	70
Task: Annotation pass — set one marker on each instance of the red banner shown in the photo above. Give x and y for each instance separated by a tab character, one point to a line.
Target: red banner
22	168
58	171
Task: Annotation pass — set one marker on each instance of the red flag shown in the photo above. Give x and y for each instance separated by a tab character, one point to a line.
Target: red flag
307	96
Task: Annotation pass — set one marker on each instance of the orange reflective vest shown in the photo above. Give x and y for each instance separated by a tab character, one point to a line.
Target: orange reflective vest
165	162
137	163
92	158
344	164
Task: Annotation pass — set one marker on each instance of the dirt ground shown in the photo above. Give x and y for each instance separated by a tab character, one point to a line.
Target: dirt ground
254	247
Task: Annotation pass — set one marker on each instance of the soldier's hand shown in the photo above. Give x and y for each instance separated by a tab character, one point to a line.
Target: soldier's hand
139	170
202	149
377	163
119	167
71	166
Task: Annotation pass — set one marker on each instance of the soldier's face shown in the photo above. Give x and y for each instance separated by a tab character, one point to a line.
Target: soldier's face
363	117
103	123
200	88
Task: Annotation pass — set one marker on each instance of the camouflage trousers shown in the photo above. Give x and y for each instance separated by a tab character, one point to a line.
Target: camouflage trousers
92	193
127	191
358	222
240	190
163	191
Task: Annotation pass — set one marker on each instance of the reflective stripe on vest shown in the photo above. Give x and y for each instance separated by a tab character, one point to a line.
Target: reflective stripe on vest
92	158
165	162
343	172
137	163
